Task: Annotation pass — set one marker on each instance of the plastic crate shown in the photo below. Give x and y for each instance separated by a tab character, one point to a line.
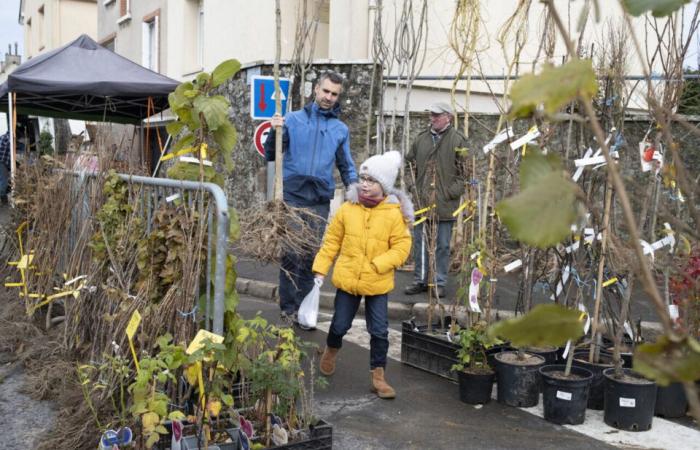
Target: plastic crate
432	353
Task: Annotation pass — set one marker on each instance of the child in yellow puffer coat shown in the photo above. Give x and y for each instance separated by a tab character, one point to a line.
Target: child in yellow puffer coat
370	236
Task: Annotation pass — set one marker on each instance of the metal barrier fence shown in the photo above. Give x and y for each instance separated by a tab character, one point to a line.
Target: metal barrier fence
155	192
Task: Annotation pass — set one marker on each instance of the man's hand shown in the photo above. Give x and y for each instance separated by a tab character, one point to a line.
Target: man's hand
277	121
318	279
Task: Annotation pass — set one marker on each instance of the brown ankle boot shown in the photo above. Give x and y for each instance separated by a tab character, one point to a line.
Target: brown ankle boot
327	363
380	386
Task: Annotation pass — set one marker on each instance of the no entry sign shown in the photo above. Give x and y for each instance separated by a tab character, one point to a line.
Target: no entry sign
261	133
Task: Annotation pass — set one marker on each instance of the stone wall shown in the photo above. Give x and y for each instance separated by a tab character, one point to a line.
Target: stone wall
246	184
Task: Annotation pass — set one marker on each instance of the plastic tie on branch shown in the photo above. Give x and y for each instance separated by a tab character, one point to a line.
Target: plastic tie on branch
669	241
192	313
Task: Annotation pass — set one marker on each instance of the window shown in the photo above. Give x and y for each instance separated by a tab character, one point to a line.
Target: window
193	25
124	7
150	42
40	26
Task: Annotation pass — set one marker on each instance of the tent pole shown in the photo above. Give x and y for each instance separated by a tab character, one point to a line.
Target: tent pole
143	156
13	133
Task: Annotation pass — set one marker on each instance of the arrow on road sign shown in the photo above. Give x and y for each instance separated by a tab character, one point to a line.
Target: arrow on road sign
262	105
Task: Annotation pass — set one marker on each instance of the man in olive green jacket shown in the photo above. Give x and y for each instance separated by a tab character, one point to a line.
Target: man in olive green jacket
435	162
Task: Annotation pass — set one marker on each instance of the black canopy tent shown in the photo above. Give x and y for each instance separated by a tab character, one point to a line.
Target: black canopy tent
83	80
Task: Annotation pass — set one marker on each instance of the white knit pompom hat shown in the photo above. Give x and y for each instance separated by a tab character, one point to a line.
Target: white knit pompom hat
383	168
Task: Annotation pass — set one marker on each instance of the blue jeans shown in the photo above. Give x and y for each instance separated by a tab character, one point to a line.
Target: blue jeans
296	277
377	324
4	180
442	253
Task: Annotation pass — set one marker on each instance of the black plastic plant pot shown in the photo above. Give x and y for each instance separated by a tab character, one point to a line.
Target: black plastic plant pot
518	380
493	351
548	353
432	353
475	388
565	399
595	394
629	401
671	401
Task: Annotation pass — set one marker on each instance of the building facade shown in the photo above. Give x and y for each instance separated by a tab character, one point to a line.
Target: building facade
180	38
49	24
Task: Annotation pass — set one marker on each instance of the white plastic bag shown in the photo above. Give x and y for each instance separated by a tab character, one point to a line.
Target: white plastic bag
308	311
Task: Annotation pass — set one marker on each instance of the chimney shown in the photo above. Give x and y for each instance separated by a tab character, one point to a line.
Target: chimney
9	49
16	51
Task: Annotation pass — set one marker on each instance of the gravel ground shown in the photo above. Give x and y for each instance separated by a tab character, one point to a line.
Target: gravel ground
25	419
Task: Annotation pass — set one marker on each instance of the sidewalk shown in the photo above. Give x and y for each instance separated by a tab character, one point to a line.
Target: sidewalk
261	280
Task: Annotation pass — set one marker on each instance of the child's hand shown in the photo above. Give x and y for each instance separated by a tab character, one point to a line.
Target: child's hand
318	279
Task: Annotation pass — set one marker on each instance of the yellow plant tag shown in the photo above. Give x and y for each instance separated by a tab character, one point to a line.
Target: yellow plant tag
612	280
421	211
198	341
25	261
133	325
419	221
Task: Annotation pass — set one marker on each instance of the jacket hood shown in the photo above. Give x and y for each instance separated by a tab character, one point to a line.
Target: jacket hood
334	112
394	197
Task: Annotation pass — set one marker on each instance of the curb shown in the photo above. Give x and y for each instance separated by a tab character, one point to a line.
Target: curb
396	310
269	291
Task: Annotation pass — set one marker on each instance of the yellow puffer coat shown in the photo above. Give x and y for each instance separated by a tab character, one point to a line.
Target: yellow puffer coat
369	243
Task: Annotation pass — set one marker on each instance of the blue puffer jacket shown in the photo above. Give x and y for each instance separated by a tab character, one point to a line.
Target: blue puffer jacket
313	141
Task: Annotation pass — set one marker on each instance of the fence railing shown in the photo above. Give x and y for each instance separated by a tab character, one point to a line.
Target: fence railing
155	192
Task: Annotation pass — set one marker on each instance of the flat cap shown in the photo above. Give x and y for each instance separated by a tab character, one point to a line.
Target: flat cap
440	107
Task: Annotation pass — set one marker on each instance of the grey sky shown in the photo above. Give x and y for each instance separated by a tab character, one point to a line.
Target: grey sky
10	30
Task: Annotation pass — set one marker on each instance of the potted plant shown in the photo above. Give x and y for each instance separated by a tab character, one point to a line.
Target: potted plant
475	377
518	371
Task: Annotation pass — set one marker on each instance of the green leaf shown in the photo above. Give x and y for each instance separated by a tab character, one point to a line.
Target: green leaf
227	399
177	98
226	137
186	141
176	415
554	87
542	213
658	8
202	79
215	110
224	71
665	361
174	128
192	93
545	325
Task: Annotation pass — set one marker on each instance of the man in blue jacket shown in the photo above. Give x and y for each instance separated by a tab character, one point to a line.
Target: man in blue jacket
314	140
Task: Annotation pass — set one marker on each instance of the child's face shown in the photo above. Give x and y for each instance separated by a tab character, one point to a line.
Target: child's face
370	187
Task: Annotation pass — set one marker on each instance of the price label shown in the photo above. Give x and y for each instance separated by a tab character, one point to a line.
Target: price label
564	395
627	402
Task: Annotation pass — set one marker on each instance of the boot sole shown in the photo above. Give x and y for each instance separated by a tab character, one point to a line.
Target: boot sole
326	374
383	396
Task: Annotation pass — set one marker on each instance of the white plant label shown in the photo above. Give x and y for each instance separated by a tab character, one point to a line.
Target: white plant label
512	266
673	312
627	402
579	169
564	395
474	291
500	137
529	137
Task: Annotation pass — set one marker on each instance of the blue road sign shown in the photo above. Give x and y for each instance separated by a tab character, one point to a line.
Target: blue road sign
262	96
